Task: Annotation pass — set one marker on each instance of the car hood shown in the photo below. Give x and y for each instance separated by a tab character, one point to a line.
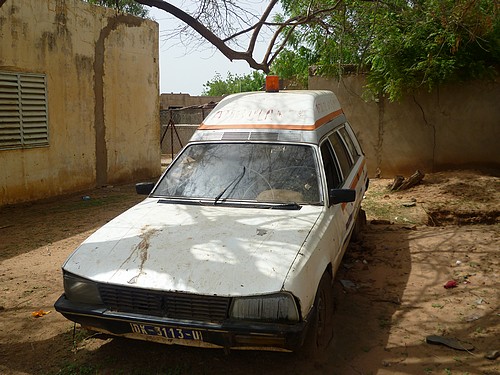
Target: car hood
209	250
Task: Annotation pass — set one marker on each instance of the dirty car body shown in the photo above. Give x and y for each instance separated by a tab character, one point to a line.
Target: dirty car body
238	242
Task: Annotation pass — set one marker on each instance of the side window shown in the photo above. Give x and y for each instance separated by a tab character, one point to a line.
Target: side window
342	153
350	144
332	172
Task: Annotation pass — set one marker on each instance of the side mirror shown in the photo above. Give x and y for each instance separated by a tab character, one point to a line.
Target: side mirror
342	196
144	188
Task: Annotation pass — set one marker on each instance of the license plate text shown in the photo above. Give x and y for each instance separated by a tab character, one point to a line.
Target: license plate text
167	332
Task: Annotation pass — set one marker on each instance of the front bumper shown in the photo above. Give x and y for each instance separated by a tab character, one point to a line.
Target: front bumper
230	334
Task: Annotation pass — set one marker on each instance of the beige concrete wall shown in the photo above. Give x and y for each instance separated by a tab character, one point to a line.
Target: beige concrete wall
102	84
456	126
179	138
187	114
186	121
180	100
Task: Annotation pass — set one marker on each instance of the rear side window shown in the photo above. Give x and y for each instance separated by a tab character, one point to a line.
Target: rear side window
350	144
343	157
333	178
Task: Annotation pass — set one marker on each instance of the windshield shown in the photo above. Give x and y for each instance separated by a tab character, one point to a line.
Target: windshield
274	173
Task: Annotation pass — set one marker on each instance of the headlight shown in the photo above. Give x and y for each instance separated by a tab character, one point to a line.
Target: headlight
273	307
78	289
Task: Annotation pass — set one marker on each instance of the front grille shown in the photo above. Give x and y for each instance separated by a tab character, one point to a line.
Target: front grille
182	306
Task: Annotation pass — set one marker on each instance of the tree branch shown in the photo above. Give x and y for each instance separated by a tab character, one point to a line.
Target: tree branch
259	25
218	43
232	54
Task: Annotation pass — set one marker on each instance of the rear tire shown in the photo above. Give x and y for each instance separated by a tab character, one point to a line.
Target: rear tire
359	226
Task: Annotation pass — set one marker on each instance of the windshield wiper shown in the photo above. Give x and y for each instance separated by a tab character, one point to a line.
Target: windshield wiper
286	206
235	182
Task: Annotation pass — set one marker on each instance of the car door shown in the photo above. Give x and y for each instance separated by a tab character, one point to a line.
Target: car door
343	166
354	175
334	218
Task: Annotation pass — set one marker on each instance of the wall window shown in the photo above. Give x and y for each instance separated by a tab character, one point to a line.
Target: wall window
23	110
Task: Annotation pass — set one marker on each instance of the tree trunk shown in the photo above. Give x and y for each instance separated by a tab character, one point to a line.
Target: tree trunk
413	180
398	180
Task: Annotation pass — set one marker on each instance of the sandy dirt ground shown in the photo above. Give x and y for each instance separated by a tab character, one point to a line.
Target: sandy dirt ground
389	289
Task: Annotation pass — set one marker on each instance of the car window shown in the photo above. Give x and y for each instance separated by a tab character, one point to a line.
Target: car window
350	144
332	172
341	153
244	171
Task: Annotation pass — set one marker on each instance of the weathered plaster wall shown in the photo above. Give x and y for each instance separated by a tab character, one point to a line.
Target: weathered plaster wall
131	101
102	87
457	126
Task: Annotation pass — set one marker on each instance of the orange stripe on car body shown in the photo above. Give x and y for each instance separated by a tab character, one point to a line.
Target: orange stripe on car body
355	179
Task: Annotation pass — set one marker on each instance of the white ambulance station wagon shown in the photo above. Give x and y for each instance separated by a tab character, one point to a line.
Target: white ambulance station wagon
237	244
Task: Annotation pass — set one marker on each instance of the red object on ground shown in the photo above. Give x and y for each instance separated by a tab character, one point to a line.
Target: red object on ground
450	284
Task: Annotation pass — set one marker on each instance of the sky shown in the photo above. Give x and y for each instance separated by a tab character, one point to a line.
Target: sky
186	70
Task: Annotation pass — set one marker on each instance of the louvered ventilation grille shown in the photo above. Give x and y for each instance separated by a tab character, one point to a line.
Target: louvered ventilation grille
23	110
235	136
258	136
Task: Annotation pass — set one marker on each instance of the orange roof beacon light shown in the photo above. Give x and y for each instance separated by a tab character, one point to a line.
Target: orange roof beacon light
272	83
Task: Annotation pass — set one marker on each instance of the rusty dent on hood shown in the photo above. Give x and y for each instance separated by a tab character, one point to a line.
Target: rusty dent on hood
141	251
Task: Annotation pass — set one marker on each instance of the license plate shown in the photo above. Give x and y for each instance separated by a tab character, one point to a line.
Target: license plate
167	332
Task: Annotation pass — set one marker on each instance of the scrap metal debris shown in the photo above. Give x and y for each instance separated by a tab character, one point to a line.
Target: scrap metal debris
450	342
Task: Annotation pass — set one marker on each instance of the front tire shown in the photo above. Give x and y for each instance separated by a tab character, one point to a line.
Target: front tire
320	330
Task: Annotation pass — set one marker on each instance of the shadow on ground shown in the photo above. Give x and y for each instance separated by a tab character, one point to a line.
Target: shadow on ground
366	304
28	226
